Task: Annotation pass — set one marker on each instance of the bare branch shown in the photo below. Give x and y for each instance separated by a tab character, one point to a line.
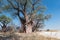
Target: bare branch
15	7
25	5
36	2
12	4
21	19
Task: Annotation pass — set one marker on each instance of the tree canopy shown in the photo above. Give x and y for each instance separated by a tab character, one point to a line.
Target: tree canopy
4	20
32	12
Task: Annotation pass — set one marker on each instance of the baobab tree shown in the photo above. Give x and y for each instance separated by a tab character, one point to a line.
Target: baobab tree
32	13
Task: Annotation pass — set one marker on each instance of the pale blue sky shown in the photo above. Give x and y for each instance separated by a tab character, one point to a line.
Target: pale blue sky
53	8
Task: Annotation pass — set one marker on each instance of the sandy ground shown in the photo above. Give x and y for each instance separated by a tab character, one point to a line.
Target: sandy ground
50	34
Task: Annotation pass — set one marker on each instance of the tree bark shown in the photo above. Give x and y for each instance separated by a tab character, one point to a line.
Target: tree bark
28	28
4	28
23	29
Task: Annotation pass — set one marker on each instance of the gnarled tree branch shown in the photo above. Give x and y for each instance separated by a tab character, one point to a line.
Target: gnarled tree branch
12	4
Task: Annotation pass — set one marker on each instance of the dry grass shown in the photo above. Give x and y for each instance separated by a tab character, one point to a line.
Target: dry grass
24	36
53	31
34	36
47	38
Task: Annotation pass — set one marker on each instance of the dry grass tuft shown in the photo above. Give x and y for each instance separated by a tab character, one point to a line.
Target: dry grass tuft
24	36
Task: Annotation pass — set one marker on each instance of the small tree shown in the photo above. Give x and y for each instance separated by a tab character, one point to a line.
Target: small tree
4	20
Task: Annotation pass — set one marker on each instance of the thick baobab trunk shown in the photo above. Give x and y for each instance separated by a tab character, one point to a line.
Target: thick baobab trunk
28	25
28	28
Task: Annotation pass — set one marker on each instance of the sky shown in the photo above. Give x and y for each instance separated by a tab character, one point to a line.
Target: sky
53	8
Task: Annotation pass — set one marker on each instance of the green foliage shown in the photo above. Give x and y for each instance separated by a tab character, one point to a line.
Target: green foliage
4	19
